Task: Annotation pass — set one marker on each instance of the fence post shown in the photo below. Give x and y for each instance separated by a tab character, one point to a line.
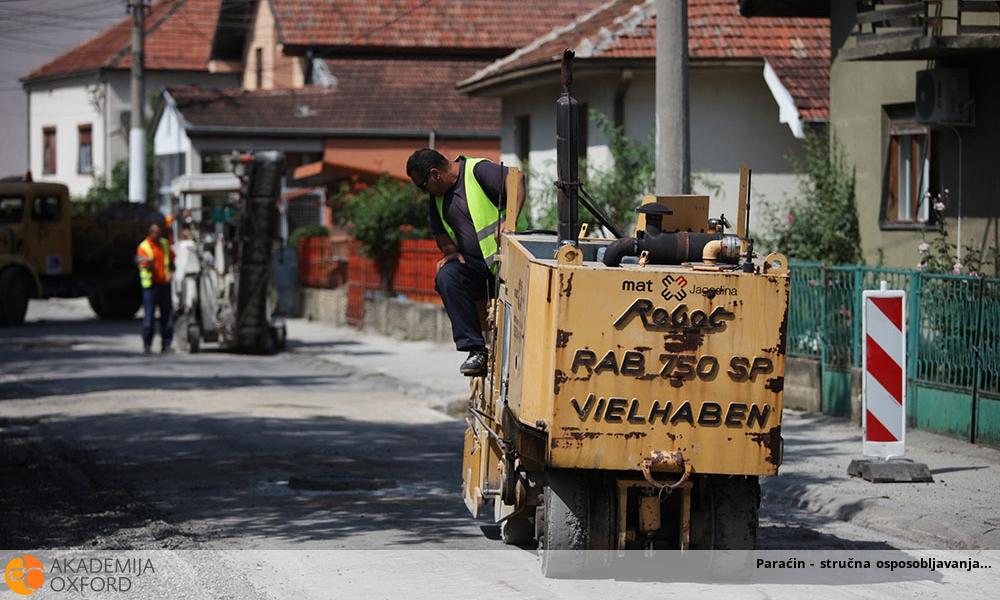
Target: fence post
977	348
859	285
823	316
913	344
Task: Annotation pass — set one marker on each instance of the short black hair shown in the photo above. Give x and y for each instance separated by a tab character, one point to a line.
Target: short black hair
420	163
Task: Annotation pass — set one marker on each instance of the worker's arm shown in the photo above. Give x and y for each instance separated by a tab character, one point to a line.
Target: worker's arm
448	249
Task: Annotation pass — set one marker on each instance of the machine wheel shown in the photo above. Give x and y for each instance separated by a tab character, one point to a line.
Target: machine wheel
279	337
14	295
577	514
193	335
115	303
727	513
517	531
188	334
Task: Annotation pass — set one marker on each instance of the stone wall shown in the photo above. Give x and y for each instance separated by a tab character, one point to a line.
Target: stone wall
328	306
405	319
803	384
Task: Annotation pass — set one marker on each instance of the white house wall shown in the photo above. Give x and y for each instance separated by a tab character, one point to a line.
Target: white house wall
734	121
68	103
120	99
66	106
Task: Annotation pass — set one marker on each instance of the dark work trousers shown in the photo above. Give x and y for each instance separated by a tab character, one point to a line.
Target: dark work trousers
461	286
155	297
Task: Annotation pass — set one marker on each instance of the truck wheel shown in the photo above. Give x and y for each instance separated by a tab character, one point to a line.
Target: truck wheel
727	514
577	515
14	294
115	303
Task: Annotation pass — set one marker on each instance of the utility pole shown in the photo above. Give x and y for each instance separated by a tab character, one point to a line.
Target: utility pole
137	127
673	142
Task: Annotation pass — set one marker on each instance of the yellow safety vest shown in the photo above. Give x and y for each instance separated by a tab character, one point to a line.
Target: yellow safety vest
486	217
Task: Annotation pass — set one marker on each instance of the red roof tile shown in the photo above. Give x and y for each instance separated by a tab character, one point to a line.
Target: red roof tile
798	49
402	95
437	24
178	37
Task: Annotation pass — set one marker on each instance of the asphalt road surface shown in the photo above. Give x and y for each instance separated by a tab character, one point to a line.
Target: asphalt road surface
105	448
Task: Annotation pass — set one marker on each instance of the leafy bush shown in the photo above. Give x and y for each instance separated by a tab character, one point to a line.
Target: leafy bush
381	215
307	231
116	190
616	187
821	223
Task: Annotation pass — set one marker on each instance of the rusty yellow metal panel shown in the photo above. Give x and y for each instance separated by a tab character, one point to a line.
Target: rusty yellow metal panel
527	288
690	213
669	359
619	363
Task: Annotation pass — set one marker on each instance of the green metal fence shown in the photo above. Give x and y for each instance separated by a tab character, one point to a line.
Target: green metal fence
953	345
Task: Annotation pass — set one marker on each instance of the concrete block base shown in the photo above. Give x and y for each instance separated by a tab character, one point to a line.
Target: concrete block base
891	471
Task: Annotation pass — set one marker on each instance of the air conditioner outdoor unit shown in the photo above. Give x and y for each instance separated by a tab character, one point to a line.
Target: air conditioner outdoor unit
943	97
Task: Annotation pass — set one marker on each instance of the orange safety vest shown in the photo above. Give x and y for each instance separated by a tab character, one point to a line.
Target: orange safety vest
154	262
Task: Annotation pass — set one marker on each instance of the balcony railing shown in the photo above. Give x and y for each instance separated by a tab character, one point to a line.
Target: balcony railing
924	28
881	18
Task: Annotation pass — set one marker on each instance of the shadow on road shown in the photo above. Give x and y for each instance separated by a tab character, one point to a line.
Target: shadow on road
227	477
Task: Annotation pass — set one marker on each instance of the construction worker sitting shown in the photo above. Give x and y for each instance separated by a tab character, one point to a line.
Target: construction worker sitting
465	216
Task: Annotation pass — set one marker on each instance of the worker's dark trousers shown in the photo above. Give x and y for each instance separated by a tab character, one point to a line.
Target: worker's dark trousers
155	297
461	286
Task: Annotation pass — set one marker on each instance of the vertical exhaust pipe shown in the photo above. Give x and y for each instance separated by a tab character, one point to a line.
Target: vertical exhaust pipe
567	155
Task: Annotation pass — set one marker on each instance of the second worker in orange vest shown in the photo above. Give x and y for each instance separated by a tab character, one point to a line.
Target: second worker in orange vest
155	260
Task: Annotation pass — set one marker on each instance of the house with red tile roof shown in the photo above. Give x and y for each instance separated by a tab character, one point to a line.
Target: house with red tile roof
755	87
348	89
915	105
79	103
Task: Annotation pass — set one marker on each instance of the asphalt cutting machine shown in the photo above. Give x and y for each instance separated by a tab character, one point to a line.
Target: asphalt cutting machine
634	392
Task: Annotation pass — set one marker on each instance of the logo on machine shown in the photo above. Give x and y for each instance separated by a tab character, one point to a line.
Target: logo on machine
673	287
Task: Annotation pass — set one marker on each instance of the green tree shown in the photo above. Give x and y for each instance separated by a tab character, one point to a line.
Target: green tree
115	188
821	222
380	216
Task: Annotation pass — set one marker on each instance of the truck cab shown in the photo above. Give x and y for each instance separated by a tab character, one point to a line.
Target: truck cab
52	247
35	243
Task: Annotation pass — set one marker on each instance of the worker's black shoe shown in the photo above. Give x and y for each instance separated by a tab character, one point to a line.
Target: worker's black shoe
475	364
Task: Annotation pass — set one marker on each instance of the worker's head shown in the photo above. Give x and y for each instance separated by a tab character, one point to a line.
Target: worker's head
154	232
430	171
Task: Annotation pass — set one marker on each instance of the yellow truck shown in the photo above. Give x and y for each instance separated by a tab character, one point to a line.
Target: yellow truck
50	247
634	392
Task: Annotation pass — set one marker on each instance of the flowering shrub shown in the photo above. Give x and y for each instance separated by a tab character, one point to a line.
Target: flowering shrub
940	254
